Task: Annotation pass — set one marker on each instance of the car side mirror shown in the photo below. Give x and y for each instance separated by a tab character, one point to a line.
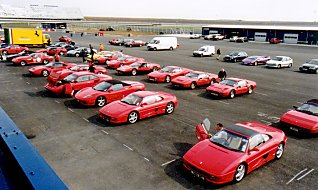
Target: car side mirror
295	107
144	104
254	149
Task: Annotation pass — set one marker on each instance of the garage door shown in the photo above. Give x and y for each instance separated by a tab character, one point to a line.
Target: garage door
260	36
291	38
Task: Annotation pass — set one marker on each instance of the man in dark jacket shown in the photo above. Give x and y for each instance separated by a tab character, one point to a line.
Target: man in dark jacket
84	53
222	75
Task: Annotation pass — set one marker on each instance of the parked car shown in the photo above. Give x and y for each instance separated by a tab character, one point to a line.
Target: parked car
46	69
217	37
163	43
12	56
65	39
34	58
241	39
113	55
138	67
194	79
125	60
107	91
97	55
303	119
12	49
233	38
122	42
58	44
275	41
69	47
167	73
256	60
195	36
53	50
138	105
135	43
114	41
204	51
78	52
279	62
231	87
3	45
75	82
235	56
234	151
310	66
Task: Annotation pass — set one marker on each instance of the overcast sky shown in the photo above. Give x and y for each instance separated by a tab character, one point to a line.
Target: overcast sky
273	10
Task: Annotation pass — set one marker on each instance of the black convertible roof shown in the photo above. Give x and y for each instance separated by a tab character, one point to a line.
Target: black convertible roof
242	130
315	101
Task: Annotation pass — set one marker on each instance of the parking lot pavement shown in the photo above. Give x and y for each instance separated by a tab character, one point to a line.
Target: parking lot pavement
89	154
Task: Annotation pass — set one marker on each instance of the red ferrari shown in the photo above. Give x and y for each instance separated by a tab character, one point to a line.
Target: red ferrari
46	69
108	57
126	60
167	73
231	87
75	82
194	79
234	151
59	75
65	39
303	120
53	50
34	58
107	91
138	67
138	105
12	49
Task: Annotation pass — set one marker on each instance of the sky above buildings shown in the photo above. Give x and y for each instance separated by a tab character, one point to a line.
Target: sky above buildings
269	10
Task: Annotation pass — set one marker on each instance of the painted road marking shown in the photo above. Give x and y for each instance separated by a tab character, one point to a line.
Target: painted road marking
146	159
266	122
305	174
296	176
261	93
57	101
85	119
224	102
105	132
70	110
128	147
168	162
28	83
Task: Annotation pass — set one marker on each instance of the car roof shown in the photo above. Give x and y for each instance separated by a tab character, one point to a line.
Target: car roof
116	82
81	73
242	129
232	78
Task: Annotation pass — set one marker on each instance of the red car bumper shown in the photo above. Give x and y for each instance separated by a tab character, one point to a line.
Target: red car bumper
109	119
55	89
156	79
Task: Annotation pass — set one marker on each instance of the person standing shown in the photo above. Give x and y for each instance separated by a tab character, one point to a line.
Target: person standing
222	75
84	53
218	52
101	47
91	52
57	57
91	67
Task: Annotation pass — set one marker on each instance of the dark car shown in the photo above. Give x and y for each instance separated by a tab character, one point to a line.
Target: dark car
235	56
58	44
122	42
69	47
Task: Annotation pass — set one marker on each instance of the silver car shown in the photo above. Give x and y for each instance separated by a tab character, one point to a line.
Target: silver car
310	66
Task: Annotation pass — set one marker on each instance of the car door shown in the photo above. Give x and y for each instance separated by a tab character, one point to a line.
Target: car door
203	79
143	67
81	82
242	87
202	130
115	92
151	105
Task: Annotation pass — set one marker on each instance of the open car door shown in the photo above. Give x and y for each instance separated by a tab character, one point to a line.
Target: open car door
202	130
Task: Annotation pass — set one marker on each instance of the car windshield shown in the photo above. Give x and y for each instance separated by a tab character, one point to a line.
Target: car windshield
103	86
229	140
135	65
313	61
228	82
309	108
75	68
167	69
234	53
50	64
33	54
192	75
122	59
201	49
70	78
132	99
277	58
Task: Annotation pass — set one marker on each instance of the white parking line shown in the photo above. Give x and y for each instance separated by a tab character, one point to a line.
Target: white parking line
57	101
168	162
299	102
70	110
28	83
128	147
261	93
296	176
224	102
146	159
266	122
85	119
261	114
305	174
105	132
35	88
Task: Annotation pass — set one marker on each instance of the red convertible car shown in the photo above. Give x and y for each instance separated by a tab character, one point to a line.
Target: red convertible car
231	87
303	120
12	49
138	105
167	73
65	39
107	91
59	75
108	57
126	60
138	67
53	50
75	82
46	69
194	79
255	60
34	58
234	151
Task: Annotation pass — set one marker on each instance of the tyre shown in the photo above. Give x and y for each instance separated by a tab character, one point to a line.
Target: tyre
23	63
155	69
120	65
45	61
130	45
234	60
255	64
279	66
77	54
290	65
213	81
239	173
316	71
61	53
134	72
155	49
168	78
99	72
279	151
193	85
4	52
45	73
250	90
132	117
201	55
171	48
232	94
169	108
100	101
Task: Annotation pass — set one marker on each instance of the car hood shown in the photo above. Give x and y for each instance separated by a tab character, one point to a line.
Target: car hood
218	87
212	158
86	92
116	108
38	68
72	52
183	79
309	65
300	119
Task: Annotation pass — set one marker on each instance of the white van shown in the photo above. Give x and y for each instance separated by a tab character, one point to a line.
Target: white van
163	42
205	51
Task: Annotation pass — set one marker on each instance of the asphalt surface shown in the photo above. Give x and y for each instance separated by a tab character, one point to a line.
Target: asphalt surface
88	154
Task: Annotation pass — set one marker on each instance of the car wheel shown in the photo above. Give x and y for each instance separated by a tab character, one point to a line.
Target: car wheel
155	69
45	73
132	117
316	71
4	52
140	45
169	108
100	101
171	48
201	55
290	65
213	81
240	173
23	63
250	90
168	78
155	49
232	94
234	60
77	55
255	64
130	45
279	151
134	72
120	65
193	85
99	72
45	61
61	53
279	66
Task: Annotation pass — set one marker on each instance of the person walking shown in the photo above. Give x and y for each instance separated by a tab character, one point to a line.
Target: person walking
218	52
222	75
101	47
91	52
84	54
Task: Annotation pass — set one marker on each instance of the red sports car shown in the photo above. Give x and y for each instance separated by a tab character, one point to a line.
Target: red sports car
138	67
46	69
34	58
304	119
53	50
167	73
108	57
126	60
107	91
59	75
114	41
138	105
231	87
12	49
65	39
275	41
75	82
194	79
135	43
255	60
234	151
